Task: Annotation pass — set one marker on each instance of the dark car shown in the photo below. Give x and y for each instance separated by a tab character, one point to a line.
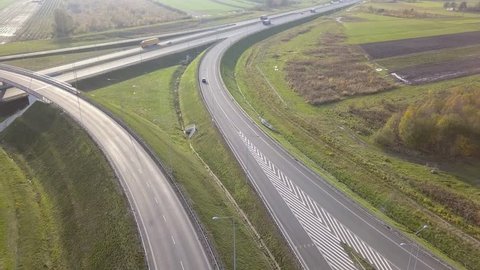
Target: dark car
204	80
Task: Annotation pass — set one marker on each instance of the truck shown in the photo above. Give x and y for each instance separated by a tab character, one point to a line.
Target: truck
149	42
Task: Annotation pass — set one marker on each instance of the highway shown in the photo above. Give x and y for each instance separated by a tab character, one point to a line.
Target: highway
108	45
314	217
96	66
168	235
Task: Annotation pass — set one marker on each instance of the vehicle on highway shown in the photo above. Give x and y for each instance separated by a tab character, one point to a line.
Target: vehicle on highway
149	42
204	81
313	10
267	22
263	17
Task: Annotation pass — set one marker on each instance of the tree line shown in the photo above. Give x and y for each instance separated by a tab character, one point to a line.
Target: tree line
445	124
463	6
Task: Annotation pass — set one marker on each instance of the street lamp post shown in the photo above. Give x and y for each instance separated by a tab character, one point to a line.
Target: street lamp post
234	248
417	246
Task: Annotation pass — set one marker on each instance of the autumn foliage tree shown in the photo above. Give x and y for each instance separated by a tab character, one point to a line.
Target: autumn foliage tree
276	3
63	23
445	124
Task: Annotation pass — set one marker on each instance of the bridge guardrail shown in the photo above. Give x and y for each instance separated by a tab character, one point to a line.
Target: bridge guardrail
212	254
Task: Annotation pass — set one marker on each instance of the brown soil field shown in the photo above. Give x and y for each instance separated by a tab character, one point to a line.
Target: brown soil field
384	49
427	73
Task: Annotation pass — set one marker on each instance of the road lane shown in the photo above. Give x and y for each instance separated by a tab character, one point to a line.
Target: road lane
134	167
314	217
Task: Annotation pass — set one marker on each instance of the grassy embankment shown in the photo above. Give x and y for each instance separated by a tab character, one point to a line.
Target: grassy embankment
338	144
61	206
148	104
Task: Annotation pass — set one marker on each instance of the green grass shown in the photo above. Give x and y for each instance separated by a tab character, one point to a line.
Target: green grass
29	236
5	3
208	6
69	209
211	147
39	63
375	28
329	139
147	104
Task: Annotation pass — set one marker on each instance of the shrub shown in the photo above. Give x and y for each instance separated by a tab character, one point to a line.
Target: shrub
445	124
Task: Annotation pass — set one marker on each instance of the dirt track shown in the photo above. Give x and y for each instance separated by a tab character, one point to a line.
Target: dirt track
392	48
440	71
14	16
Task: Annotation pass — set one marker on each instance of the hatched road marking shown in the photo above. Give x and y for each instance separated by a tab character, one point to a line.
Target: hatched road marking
325	231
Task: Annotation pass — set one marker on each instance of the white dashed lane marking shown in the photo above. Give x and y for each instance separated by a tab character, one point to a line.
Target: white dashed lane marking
325	231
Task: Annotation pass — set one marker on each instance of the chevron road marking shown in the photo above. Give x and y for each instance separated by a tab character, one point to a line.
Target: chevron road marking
325	231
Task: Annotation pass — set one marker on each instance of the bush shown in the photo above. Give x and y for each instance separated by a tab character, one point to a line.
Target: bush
445	124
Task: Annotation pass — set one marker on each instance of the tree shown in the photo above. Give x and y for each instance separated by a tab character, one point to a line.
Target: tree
453	5
463	6
63	23
446	5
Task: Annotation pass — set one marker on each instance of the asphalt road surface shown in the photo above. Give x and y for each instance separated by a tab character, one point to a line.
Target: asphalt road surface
314	217
96	66
168	236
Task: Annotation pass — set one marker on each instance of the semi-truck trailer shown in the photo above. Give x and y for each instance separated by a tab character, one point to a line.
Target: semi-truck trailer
149	42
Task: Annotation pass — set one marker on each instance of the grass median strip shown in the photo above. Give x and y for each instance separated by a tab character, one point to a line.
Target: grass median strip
147	104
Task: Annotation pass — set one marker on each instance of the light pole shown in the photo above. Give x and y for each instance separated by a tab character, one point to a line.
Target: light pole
417	246
234	250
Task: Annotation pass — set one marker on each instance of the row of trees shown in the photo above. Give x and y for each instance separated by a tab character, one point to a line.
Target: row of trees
463	6
276	3
446	124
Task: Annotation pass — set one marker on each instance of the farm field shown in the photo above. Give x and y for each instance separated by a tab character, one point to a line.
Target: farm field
426	73
428	59
94	16
13	18
394	48
40	25
61	205
338	139
149	105
362	26
4	3
209	7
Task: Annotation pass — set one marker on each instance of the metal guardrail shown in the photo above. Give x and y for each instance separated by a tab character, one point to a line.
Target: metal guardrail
40	77
199	228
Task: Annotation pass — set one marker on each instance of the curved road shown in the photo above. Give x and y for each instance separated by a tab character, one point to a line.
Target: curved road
314	217
168	236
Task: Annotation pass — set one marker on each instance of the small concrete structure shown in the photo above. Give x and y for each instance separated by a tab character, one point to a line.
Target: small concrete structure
190	130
